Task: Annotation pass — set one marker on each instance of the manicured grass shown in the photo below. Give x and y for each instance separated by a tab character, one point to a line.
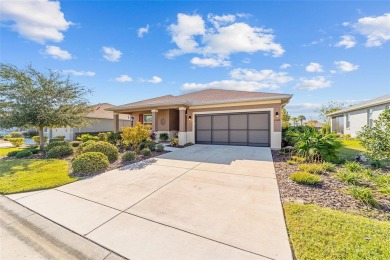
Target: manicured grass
350	149
5	151
28	175
319	233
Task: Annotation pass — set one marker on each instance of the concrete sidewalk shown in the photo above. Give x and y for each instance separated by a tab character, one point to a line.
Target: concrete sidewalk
203	201
27	235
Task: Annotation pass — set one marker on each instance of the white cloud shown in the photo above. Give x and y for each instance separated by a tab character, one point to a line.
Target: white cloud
285	66
80	73
57	53
154	80
210	62
227	84
123	78
376	29
347	41
222	38
314	67
345	66
269	77
111	54
313	83
38	20
142	31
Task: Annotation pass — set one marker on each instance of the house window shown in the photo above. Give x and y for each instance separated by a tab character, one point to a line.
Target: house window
387	107
348	121
369	116
147	119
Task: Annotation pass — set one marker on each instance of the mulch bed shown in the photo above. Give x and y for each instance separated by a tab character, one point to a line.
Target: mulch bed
331	194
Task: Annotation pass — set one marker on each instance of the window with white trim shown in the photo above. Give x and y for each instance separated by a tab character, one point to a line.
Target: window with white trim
369	116
348	123
147	119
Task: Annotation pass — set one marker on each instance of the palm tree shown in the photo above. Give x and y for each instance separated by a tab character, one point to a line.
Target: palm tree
301	118
295	120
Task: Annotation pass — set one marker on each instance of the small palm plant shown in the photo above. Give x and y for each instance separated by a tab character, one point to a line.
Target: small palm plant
315	146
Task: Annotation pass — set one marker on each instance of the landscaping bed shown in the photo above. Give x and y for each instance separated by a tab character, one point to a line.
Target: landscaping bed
330	194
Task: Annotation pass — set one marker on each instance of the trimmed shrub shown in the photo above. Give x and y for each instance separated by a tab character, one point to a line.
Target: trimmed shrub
111	151
23	154
37	140
87	137
34	150
163	136
82	145
75	143
174	142
54	144
12	153
114	137
148	144
16	141
62	137
30	133
306	178
59	151
364	195
52	140
134	136
145	152
160	148
103	137
90	162
14	135
128	156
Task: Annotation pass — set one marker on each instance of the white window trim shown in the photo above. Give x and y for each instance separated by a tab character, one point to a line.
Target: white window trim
143	119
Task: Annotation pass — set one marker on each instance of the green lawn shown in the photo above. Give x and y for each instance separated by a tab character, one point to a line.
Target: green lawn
28	175
350	149
5	151
319	233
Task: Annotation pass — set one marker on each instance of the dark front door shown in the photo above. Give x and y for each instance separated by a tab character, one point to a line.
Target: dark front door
252	129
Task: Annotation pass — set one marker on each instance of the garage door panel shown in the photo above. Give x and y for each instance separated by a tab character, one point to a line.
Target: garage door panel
258	137
238	136
203	122
204	136
258	121
238	121
220	122
220	137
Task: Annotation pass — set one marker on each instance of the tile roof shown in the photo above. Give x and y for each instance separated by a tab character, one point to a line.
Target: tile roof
366	104
207	96
101	112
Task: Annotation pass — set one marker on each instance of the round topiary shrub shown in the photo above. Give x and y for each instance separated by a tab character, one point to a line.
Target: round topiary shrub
82	145
56	143
90	162
59	151
128	156
145	152
23	154
160	148
16	141
110	150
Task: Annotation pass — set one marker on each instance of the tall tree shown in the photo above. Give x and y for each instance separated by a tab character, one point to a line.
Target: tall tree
301	118
295	120
29	98
330	107
285	118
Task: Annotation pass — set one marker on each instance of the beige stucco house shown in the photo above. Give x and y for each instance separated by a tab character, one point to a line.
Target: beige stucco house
352	119
103	121
212	116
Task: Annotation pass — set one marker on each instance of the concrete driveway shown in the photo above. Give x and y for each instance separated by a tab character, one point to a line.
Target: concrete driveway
204	201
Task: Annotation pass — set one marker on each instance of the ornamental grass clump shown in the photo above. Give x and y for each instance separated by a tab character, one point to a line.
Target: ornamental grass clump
90	162
364	195
306	178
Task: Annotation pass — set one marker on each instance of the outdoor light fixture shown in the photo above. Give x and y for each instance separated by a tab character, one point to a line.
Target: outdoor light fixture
277	114
189	117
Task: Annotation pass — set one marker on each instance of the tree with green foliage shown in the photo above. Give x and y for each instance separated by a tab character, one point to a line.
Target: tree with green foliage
294	120
330	107
301	118
376	139
29	98
285	118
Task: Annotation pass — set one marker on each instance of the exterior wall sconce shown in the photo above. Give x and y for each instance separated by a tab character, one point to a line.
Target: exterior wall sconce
189	117
277	114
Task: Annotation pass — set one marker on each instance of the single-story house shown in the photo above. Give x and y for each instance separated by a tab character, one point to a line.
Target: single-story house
213	116
103	121
350	120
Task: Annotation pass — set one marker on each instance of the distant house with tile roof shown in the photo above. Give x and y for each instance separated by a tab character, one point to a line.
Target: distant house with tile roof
103	121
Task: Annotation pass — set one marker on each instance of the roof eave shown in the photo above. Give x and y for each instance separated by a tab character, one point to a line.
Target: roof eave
346	110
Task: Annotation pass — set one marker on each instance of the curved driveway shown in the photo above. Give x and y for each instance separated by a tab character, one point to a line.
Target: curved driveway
204	201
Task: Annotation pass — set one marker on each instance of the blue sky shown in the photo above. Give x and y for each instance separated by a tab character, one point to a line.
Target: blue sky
125	51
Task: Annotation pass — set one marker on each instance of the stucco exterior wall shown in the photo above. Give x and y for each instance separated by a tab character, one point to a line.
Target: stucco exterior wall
359	118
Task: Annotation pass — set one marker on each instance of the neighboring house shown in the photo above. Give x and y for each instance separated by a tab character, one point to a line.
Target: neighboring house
103	121
213	116
351	120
